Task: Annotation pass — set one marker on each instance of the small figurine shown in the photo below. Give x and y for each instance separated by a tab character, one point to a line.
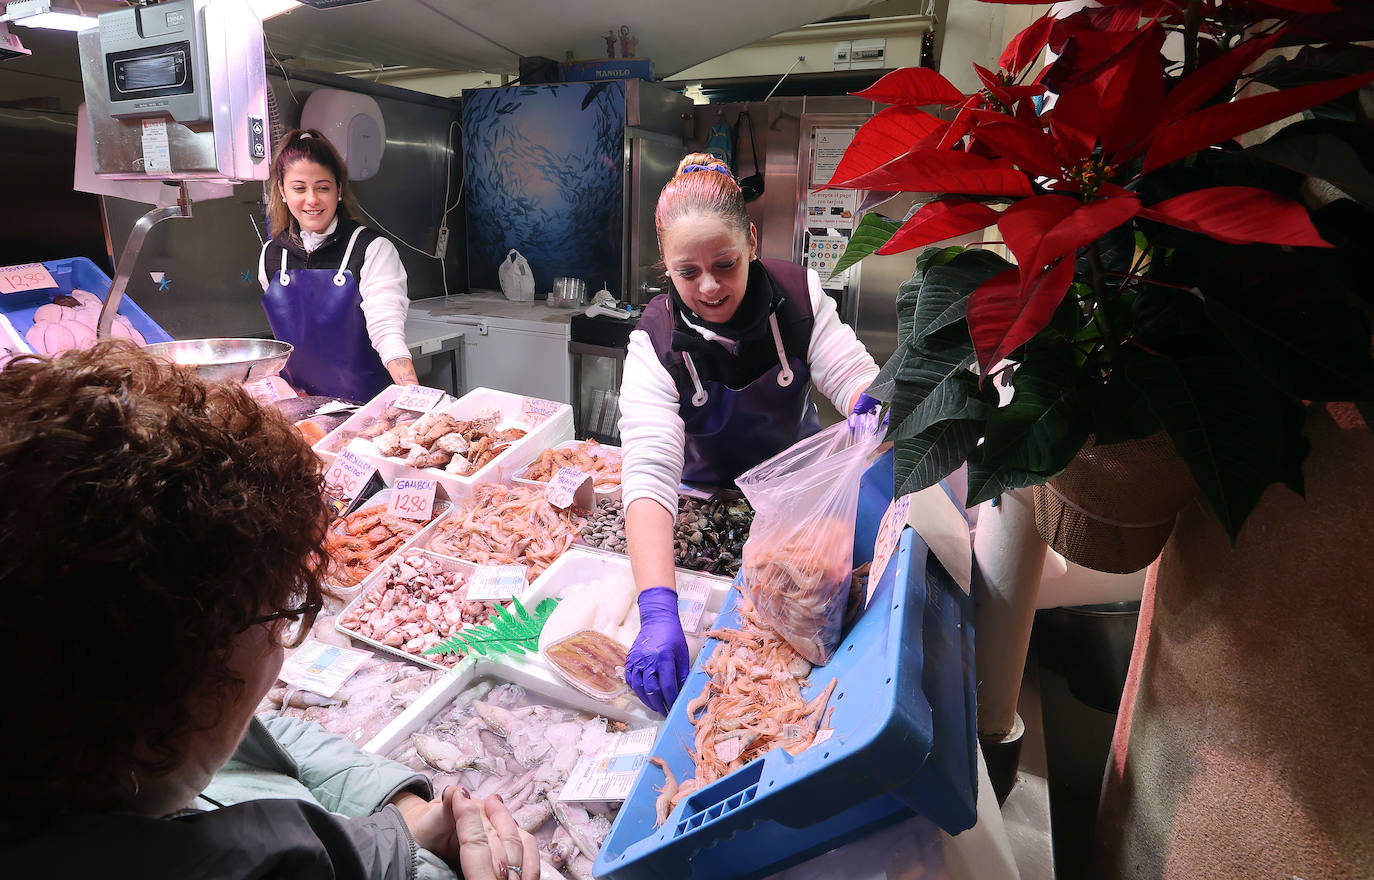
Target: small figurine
610	43
627	42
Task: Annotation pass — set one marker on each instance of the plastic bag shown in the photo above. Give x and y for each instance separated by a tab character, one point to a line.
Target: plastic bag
797	561
517	281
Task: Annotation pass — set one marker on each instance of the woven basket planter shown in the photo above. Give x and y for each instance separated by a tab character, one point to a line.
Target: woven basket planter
1113	507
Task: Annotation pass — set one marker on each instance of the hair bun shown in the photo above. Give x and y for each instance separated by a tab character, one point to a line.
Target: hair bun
694	162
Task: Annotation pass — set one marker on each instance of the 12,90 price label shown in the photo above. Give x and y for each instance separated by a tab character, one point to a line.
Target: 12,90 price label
413	499
348	475
27	276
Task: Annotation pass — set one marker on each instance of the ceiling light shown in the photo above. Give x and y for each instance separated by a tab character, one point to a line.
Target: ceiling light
42	14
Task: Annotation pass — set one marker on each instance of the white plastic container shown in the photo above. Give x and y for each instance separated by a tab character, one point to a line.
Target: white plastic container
538	681
374	583
11	343
417	539
597	451
338	439
526	413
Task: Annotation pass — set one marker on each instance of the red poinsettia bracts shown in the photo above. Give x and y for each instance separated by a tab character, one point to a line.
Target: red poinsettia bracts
1068	171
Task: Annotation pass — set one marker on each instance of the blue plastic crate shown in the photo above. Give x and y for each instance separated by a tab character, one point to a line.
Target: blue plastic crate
75	273
904	743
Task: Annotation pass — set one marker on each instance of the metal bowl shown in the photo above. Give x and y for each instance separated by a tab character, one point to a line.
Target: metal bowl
230	360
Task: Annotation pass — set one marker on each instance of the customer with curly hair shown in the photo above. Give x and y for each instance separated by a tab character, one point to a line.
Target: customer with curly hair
159	541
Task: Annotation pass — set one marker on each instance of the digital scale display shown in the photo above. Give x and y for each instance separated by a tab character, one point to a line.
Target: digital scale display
150	72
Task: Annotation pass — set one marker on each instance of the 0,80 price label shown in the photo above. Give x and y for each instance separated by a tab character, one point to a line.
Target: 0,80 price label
348	475
413	499
418	398
26	276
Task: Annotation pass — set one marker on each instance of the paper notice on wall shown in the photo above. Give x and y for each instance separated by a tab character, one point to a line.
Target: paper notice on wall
157	154
827	148
822	253
832	209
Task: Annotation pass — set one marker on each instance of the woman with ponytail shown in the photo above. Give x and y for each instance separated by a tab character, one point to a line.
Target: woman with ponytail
718	378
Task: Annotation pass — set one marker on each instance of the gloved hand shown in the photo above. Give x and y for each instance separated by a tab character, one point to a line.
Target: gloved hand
862	407
657	664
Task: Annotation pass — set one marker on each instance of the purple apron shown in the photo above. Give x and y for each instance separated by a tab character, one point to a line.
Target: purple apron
319	311
730	431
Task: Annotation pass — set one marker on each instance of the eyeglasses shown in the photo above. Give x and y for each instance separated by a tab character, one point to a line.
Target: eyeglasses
298	622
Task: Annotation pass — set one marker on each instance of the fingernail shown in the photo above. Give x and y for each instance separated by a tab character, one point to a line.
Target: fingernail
465	793
499	799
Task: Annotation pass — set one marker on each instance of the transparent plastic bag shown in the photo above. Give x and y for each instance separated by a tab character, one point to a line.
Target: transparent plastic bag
797	561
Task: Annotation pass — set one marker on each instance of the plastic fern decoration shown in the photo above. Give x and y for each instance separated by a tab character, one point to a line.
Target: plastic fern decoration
513	630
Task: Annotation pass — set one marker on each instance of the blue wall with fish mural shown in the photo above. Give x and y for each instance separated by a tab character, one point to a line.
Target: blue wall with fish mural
543	176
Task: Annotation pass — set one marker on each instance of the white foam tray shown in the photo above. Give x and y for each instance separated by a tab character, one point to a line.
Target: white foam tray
374	583
538	681
597	451
414	541
373	407
555	429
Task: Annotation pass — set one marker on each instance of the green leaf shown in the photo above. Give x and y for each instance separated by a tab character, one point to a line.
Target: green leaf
987	481
908	294
937	256
506	632
935	390
1295	446
924	460
1120	412
873	232
1326	149
1044	425
1226	426
943	302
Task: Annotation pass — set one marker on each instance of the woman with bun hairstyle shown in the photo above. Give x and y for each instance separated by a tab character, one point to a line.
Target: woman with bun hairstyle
718	378
332	288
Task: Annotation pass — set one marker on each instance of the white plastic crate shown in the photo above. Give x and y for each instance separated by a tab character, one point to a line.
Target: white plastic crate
338	439
597	451
417	539
11	343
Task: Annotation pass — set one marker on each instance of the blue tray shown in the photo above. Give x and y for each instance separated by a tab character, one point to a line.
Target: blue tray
75	273
904	743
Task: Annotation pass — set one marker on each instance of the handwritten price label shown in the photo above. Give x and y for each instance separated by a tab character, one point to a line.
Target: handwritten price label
418	398
348	475
535	411
570	486
889	531
413	499
496	583
26	276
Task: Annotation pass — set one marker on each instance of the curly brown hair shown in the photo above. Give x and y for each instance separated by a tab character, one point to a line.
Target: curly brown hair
147	517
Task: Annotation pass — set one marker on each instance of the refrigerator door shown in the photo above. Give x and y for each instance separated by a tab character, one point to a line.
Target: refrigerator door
653	161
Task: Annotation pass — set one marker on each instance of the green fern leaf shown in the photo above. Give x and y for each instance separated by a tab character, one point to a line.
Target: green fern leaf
508	632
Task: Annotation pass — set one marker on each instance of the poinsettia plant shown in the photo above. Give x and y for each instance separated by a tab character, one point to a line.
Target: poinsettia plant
1165	276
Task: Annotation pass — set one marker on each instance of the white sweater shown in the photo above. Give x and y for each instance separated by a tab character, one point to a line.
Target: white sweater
651	431
383	288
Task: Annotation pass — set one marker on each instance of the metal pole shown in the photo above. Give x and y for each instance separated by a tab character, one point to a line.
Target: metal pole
129	257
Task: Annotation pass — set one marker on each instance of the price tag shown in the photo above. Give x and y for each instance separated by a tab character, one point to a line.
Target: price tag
535	410
26	276
269	389
570	486
608	775
348	475
889	531
692	595
418	398
321	668
496	583
157	153
413	499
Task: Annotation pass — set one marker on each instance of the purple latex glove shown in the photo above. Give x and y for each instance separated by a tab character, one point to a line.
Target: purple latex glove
862	407
657	664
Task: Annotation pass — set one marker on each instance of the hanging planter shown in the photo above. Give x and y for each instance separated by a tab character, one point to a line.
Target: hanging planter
1113	508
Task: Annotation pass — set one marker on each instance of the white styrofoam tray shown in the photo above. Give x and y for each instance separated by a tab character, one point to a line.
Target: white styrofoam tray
381	498
375	583
556	428
597	451
538	681
329	446
582	564
11	343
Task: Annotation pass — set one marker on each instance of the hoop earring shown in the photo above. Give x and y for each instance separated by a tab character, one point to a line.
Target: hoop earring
133	777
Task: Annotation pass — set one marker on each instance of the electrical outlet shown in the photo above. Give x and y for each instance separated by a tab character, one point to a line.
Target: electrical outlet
441	246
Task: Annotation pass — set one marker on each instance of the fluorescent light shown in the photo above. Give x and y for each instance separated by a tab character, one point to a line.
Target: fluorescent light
40	14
